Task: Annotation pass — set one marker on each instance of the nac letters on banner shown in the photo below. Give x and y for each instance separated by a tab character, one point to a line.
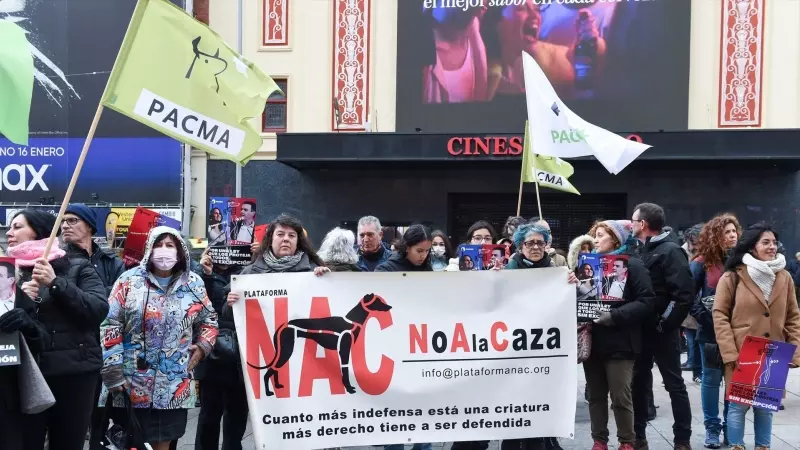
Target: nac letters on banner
382	358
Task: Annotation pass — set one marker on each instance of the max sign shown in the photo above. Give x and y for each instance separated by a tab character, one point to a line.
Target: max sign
23	177
502	145
379	358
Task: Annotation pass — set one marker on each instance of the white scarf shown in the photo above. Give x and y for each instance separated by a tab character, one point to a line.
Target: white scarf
763	272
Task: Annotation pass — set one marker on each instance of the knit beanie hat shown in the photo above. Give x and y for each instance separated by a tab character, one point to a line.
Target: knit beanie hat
85	213
620	228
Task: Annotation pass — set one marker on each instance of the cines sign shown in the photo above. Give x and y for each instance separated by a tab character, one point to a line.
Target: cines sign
509	145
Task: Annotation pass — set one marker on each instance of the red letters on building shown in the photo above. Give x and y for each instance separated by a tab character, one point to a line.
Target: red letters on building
486	146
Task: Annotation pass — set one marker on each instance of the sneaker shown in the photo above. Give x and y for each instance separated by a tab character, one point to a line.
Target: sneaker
712	438
696	380
761	448
738	447
685	367
683	446
640	444
598	445
625	446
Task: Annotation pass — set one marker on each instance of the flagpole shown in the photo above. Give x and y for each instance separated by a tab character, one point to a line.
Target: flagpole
536	176
521	185
73	181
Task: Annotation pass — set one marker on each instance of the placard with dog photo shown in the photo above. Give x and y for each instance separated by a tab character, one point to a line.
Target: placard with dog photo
391	358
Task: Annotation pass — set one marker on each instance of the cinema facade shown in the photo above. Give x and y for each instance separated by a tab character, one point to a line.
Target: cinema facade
385	146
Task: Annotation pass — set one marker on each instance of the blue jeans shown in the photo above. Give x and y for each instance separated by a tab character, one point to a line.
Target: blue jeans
693	352
402	446
709	395
762	425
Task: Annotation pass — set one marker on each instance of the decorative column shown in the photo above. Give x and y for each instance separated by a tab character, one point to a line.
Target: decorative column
351	39
276	23
741	63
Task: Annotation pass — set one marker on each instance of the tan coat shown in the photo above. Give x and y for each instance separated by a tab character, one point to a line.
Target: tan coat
752	316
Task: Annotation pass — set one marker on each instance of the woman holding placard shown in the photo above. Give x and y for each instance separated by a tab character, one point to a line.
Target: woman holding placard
755	297
617	340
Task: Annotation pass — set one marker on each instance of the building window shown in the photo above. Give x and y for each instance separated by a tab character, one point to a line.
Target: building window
275	110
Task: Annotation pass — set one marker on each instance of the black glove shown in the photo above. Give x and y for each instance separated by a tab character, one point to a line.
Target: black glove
16	320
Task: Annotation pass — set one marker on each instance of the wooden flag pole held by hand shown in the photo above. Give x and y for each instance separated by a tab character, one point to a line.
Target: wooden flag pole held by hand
73	181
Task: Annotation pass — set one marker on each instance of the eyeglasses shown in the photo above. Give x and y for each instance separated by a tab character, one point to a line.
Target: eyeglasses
530	245
71	221
479	239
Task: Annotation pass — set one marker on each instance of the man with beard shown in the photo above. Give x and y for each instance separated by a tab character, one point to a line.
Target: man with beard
673	286
371	250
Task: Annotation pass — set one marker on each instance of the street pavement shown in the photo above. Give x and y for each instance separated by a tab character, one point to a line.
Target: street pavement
785	429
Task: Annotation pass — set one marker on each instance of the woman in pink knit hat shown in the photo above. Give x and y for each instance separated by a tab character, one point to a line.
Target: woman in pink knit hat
616	340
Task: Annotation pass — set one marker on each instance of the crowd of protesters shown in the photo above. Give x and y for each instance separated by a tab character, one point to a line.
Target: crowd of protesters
104	338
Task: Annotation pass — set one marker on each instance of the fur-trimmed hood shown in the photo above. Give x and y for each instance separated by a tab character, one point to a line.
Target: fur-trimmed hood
575	249
148	251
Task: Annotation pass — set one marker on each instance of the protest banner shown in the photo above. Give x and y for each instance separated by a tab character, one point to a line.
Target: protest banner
9	342
231	229
760	375
601	283
143	221
386	358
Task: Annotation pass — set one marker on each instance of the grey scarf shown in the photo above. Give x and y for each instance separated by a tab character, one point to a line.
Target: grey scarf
283	263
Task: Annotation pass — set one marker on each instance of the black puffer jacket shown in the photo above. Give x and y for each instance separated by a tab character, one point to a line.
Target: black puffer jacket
70	314
399	263
672	281
624	339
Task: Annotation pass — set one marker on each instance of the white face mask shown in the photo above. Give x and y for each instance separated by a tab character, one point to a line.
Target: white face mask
164	258
438	251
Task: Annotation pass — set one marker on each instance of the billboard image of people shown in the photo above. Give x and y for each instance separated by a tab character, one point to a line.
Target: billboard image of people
127	162
460	63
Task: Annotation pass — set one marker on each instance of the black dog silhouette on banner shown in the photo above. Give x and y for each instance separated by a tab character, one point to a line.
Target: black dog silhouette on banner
332	333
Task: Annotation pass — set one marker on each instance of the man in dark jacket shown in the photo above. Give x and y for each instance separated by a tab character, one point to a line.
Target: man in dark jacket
372	252
673	286
77	229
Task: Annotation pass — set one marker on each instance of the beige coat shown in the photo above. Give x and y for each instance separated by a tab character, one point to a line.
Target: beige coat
752	316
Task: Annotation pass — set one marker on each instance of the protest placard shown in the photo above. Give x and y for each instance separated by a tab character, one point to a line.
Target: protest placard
381	358
761	371
143	221
231	229
601	283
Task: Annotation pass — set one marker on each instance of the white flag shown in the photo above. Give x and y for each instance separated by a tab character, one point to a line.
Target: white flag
557	131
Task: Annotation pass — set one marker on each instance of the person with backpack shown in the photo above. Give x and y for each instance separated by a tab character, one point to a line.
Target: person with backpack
716	240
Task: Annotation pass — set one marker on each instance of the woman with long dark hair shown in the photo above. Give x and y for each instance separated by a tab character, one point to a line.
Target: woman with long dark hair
160	325
755	297
413	254
716	240
60	303
441	251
